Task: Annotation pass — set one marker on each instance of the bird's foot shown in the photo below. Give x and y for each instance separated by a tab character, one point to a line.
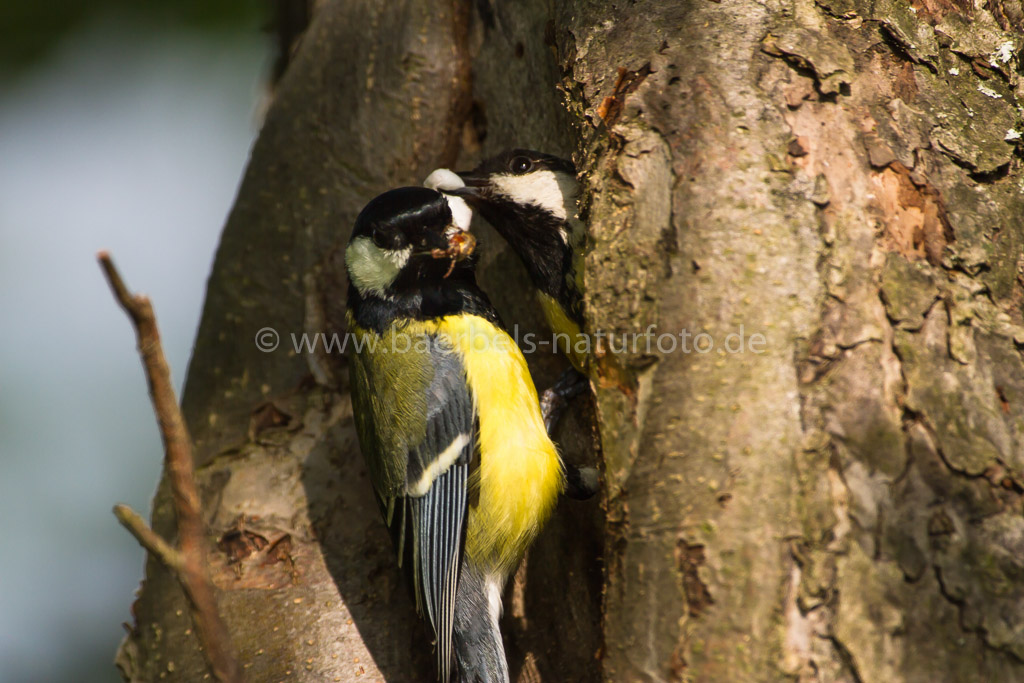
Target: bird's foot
555	399
581	483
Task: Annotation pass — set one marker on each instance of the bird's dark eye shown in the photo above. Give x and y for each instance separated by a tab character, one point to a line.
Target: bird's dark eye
520	165
389	239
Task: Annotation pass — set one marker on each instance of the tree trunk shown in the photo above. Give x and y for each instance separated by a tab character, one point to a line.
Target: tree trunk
805	271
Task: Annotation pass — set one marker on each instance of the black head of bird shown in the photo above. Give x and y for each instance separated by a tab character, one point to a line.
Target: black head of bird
405	239
529	197
531	200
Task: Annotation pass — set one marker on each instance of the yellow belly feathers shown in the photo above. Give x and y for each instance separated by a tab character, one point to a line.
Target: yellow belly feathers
519	475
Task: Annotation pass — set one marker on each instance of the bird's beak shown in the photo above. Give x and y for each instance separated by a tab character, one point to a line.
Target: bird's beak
474	185
469	194
434	242
453	243
459	247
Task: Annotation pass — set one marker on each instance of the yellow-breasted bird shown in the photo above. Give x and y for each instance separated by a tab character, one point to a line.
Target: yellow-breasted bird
448	421
530	199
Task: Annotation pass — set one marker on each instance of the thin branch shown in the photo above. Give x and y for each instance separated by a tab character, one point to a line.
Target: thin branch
190	566
149	539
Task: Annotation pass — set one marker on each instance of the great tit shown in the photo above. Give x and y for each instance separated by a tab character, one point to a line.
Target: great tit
448	421
530	199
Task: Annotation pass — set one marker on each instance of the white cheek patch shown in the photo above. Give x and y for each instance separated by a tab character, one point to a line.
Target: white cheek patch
442	180
397	258
372	269
553	192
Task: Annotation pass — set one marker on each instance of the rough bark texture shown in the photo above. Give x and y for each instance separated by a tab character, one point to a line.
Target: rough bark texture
374	98
841	177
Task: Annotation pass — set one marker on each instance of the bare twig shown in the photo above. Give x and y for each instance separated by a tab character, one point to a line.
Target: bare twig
149	539
188	561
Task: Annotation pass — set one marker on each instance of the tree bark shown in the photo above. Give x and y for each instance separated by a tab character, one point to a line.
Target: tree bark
839	503
841	177
374	97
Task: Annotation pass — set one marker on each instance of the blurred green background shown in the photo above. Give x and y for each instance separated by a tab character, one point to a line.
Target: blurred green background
123	126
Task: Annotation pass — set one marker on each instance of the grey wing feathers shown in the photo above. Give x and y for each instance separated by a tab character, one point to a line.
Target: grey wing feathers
439	516
427	523
437	478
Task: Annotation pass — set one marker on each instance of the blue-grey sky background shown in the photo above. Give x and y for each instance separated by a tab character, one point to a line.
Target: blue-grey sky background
129	135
